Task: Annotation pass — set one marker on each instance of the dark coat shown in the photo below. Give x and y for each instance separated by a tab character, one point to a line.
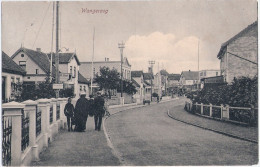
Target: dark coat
82	107
69	110
99	106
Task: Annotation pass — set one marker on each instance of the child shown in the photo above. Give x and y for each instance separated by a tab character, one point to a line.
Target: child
69	113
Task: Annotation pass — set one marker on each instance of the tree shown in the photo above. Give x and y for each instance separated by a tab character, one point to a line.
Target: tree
108	79
128	87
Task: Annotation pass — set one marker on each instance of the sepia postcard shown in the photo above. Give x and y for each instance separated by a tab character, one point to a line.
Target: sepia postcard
129	83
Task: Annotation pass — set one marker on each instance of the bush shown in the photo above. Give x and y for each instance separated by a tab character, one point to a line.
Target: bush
243	92
155	94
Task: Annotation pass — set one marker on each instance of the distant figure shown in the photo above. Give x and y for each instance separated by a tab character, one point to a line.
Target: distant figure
81	113
106	107
69	113
92	109
99	110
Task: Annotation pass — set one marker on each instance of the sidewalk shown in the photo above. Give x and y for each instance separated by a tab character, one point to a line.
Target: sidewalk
236	131
88	148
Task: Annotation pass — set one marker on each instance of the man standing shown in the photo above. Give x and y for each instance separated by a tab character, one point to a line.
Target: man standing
99	110
81	113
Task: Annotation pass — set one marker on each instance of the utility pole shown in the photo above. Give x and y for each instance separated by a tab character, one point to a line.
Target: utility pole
198	64
57	49
121	46
151	63
92	66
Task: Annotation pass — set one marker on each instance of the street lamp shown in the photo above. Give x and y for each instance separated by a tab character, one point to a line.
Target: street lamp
121	46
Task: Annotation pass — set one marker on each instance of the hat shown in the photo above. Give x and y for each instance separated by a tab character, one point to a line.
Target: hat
98	93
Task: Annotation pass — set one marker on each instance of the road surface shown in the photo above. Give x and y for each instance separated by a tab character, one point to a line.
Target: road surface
147	136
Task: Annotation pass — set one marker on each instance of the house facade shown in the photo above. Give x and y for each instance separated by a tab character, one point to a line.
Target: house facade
138	81
238	56
174	82
35	63
69	72
209	73
12	77
86	68
189	78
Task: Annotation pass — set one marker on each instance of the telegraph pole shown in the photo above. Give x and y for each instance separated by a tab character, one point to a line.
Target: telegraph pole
57	48
151	63
198	64
121	46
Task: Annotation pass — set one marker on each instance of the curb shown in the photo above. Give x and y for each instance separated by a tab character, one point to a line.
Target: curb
114	151
213	130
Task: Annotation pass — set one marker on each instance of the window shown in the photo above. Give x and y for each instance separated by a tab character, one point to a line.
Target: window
74	71
85	88
216	73
70	69
22	55
201	73
94	71
17	80
204	73
28	77
37	71
12	84
80	88
22	64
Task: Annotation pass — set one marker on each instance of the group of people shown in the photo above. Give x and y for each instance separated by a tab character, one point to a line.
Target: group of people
78	116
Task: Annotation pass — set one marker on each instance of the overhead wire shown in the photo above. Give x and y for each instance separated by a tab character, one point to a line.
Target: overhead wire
41	25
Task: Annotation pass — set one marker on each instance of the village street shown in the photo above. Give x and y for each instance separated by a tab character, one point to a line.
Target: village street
147	136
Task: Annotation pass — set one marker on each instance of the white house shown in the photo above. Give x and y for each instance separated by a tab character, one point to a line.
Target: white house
12	75
138	81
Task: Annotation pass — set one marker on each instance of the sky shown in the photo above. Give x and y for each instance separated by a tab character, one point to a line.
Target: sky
172	33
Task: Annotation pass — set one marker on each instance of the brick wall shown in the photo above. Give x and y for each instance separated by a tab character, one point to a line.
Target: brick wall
246	47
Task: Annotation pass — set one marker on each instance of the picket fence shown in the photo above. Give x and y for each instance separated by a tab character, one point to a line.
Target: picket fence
28	127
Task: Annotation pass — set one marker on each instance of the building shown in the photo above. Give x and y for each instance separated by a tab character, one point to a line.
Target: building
12	77
86	68
37	66
83	84
174	82
35	63
209	73
69	72
238	56
187	79
138	81
148	81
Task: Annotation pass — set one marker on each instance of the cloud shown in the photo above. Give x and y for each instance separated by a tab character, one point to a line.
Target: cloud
173	54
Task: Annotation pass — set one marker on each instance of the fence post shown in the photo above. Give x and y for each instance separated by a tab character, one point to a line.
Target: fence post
196	108
210	110
30	107
201	109
221	111
54	116
14	110
61	124
227	112
44	107
64	118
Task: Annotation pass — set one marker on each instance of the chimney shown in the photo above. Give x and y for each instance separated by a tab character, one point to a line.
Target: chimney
38	49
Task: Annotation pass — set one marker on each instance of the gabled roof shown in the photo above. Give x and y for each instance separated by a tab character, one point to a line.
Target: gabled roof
224	45
64	58
82	79
164	72
174	77
147	83
8	65
148	76
126	61
136	73
135	83
40	58
190	75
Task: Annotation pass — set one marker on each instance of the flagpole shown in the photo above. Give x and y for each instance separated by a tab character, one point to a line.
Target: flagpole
91	85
